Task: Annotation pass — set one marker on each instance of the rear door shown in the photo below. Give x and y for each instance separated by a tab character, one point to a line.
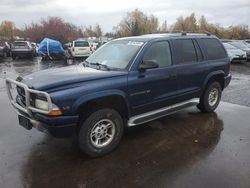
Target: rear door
191	67
153	88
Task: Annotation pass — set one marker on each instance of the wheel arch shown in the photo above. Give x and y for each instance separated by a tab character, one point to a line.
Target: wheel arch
215	76
112	98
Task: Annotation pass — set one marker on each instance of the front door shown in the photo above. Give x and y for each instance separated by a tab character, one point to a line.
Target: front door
152	89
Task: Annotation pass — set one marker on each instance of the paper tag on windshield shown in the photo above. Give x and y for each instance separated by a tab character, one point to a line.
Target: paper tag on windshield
136	43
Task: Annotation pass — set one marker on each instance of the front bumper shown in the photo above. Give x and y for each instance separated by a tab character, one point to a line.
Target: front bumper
59	126
227	80
239	59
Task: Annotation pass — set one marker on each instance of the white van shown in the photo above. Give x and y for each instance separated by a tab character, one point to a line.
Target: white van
80	48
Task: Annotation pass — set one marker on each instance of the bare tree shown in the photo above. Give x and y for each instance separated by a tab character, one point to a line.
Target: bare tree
7	29
136	23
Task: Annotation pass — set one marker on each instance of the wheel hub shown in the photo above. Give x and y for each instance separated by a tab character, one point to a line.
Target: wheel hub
102	133
213	96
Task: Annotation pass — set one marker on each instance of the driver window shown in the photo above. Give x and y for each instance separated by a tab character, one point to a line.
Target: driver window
159	52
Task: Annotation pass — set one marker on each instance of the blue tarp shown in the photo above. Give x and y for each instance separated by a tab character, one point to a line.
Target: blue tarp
48	46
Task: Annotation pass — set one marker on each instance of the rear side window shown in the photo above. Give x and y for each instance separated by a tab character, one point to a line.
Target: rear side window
160	52
214	49
185	51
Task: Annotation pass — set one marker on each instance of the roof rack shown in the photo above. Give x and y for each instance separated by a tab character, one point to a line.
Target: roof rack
184	33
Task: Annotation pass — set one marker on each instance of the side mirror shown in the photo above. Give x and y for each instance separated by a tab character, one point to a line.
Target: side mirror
148	64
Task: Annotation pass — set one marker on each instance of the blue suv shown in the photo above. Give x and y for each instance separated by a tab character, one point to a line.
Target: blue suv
126	82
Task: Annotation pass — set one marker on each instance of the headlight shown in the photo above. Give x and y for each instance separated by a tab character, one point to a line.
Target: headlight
41	104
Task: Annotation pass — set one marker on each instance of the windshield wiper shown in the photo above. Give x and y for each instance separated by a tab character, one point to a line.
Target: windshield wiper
101	65
86	63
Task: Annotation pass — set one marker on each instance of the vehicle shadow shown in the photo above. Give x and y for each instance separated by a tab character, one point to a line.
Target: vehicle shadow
150	155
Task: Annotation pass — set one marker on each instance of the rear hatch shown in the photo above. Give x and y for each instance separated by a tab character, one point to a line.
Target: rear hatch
81	47
20	45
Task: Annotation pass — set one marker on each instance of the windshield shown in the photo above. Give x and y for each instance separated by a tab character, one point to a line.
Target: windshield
240	45
116	54
229	46
81	44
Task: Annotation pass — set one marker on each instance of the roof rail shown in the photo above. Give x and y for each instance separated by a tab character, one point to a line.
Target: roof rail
184	33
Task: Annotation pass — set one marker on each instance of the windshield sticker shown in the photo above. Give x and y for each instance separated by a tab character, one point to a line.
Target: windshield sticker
135	43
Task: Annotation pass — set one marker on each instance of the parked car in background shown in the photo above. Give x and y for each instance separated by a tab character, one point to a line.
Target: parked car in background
127	82
240	45
66	46
5	49
80	48
235	54
35	46
50	49
246	43
22	49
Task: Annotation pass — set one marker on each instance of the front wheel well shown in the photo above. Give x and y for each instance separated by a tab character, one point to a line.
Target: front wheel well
115	102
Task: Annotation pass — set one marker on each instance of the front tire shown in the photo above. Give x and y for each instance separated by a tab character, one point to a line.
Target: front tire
101	132
210	99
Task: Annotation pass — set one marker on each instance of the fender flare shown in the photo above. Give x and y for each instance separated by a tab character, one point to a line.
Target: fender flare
212	74
85	98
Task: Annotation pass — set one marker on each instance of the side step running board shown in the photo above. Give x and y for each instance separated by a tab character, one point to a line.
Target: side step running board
149	116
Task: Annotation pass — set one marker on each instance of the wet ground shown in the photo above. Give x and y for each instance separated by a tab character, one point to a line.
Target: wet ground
238	91
187	149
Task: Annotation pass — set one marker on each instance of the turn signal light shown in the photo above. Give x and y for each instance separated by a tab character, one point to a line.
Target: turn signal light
55	113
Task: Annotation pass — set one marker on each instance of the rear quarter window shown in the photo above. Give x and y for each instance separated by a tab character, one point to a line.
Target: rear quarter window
214	49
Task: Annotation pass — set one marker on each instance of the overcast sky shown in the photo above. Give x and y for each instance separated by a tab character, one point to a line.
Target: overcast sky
109	12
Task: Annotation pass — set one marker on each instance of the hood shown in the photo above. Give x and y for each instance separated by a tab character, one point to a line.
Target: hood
235	52
56	77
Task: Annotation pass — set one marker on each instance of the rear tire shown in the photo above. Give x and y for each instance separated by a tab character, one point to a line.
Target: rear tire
101	132
210	99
